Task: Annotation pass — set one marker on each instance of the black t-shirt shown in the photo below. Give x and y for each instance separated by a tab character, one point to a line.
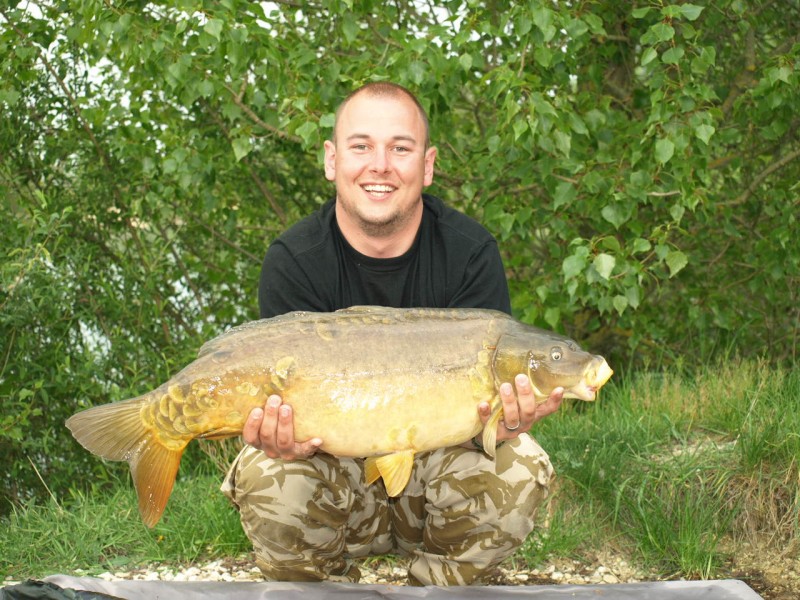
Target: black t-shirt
453	262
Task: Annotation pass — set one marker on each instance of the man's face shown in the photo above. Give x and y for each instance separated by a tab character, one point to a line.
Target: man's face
379	164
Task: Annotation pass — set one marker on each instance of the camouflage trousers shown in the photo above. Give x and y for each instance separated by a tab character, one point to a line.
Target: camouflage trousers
461	514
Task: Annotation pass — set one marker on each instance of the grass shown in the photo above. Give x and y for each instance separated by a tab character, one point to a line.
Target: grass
674	468
101	531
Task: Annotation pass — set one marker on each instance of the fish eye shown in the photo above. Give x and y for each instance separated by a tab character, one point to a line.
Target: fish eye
555	353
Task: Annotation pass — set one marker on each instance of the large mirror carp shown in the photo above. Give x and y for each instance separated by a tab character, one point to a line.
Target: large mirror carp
373	382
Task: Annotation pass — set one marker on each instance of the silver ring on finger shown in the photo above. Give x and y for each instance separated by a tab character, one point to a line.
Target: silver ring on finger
512	428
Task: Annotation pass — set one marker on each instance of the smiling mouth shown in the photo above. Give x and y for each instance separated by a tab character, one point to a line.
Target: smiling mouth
378	190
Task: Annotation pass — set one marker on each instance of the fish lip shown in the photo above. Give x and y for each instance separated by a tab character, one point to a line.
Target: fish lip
587	393
594	377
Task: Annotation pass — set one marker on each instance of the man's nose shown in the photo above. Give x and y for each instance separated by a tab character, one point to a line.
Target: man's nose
380	162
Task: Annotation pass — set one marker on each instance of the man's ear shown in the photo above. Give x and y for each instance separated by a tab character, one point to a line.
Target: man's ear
330	160
430	159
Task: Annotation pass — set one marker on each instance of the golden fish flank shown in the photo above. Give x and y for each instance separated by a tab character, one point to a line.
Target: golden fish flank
371	382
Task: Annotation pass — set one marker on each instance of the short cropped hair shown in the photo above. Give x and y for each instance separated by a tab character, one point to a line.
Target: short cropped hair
386	89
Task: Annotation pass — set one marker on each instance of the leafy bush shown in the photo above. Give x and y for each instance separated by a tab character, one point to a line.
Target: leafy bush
639	166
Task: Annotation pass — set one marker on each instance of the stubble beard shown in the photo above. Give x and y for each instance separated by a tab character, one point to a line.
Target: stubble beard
379	227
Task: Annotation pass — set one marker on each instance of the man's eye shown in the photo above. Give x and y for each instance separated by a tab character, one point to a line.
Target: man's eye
402	149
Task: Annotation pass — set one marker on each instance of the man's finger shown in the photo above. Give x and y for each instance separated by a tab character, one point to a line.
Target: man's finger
551	405
484	412
511	416
284	438
308	448
525	398
251	427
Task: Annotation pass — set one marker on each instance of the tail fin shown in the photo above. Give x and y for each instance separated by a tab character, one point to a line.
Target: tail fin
116	432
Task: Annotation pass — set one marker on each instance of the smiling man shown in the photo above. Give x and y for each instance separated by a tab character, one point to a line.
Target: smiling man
382	241
380	160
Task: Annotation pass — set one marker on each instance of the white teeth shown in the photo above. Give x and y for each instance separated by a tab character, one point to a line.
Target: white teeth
378	188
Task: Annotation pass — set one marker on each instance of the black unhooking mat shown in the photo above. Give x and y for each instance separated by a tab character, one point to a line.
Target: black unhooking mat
97	589
33	590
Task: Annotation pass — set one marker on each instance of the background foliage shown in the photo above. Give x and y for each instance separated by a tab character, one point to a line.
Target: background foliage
639	163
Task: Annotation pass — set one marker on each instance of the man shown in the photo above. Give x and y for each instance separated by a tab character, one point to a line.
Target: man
382	242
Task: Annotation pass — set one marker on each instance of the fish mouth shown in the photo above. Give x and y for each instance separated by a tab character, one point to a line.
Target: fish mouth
595	376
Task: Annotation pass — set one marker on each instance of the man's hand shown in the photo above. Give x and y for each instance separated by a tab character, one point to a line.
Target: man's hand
520	412
271	429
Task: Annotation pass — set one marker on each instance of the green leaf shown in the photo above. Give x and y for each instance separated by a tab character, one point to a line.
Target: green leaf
704	132
307	131
573	265
664	150
543	56
523	24
632	294
660	32
563	142
620	303
673	55
350	27
604	264
577	125
640	13
613	214
676	261
213	27
417	71
466	61
241	147
205	88
520	127
641	245
649	55
610	242
691	11
595	23
543	18
552	315
565	193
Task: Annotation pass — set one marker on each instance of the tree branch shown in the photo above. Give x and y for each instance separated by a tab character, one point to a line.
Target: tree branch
778	164
237	100
253	175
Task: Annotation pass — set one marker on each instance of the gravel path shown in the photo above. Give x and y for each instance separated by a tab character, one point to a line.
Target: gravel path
392	572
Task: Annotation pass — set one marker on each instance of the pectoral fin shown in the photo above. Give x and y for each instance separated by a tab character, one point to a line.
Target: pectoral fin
394	468
490	430
220	433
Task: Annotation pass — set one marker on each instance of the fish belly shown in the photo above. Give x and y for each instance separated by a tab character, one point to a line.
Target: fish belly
372	415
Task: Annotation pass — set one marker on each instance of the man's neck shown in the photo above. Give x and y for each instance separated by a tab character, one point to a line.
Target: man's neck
390	245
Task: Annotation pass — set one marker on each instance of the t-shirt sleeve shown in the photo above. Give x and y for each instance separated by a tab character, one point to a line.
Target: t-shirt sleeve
484	284
284	286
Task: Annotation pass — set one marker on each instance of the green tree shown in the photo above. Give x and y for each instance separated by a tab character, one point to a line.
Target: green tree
639	165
